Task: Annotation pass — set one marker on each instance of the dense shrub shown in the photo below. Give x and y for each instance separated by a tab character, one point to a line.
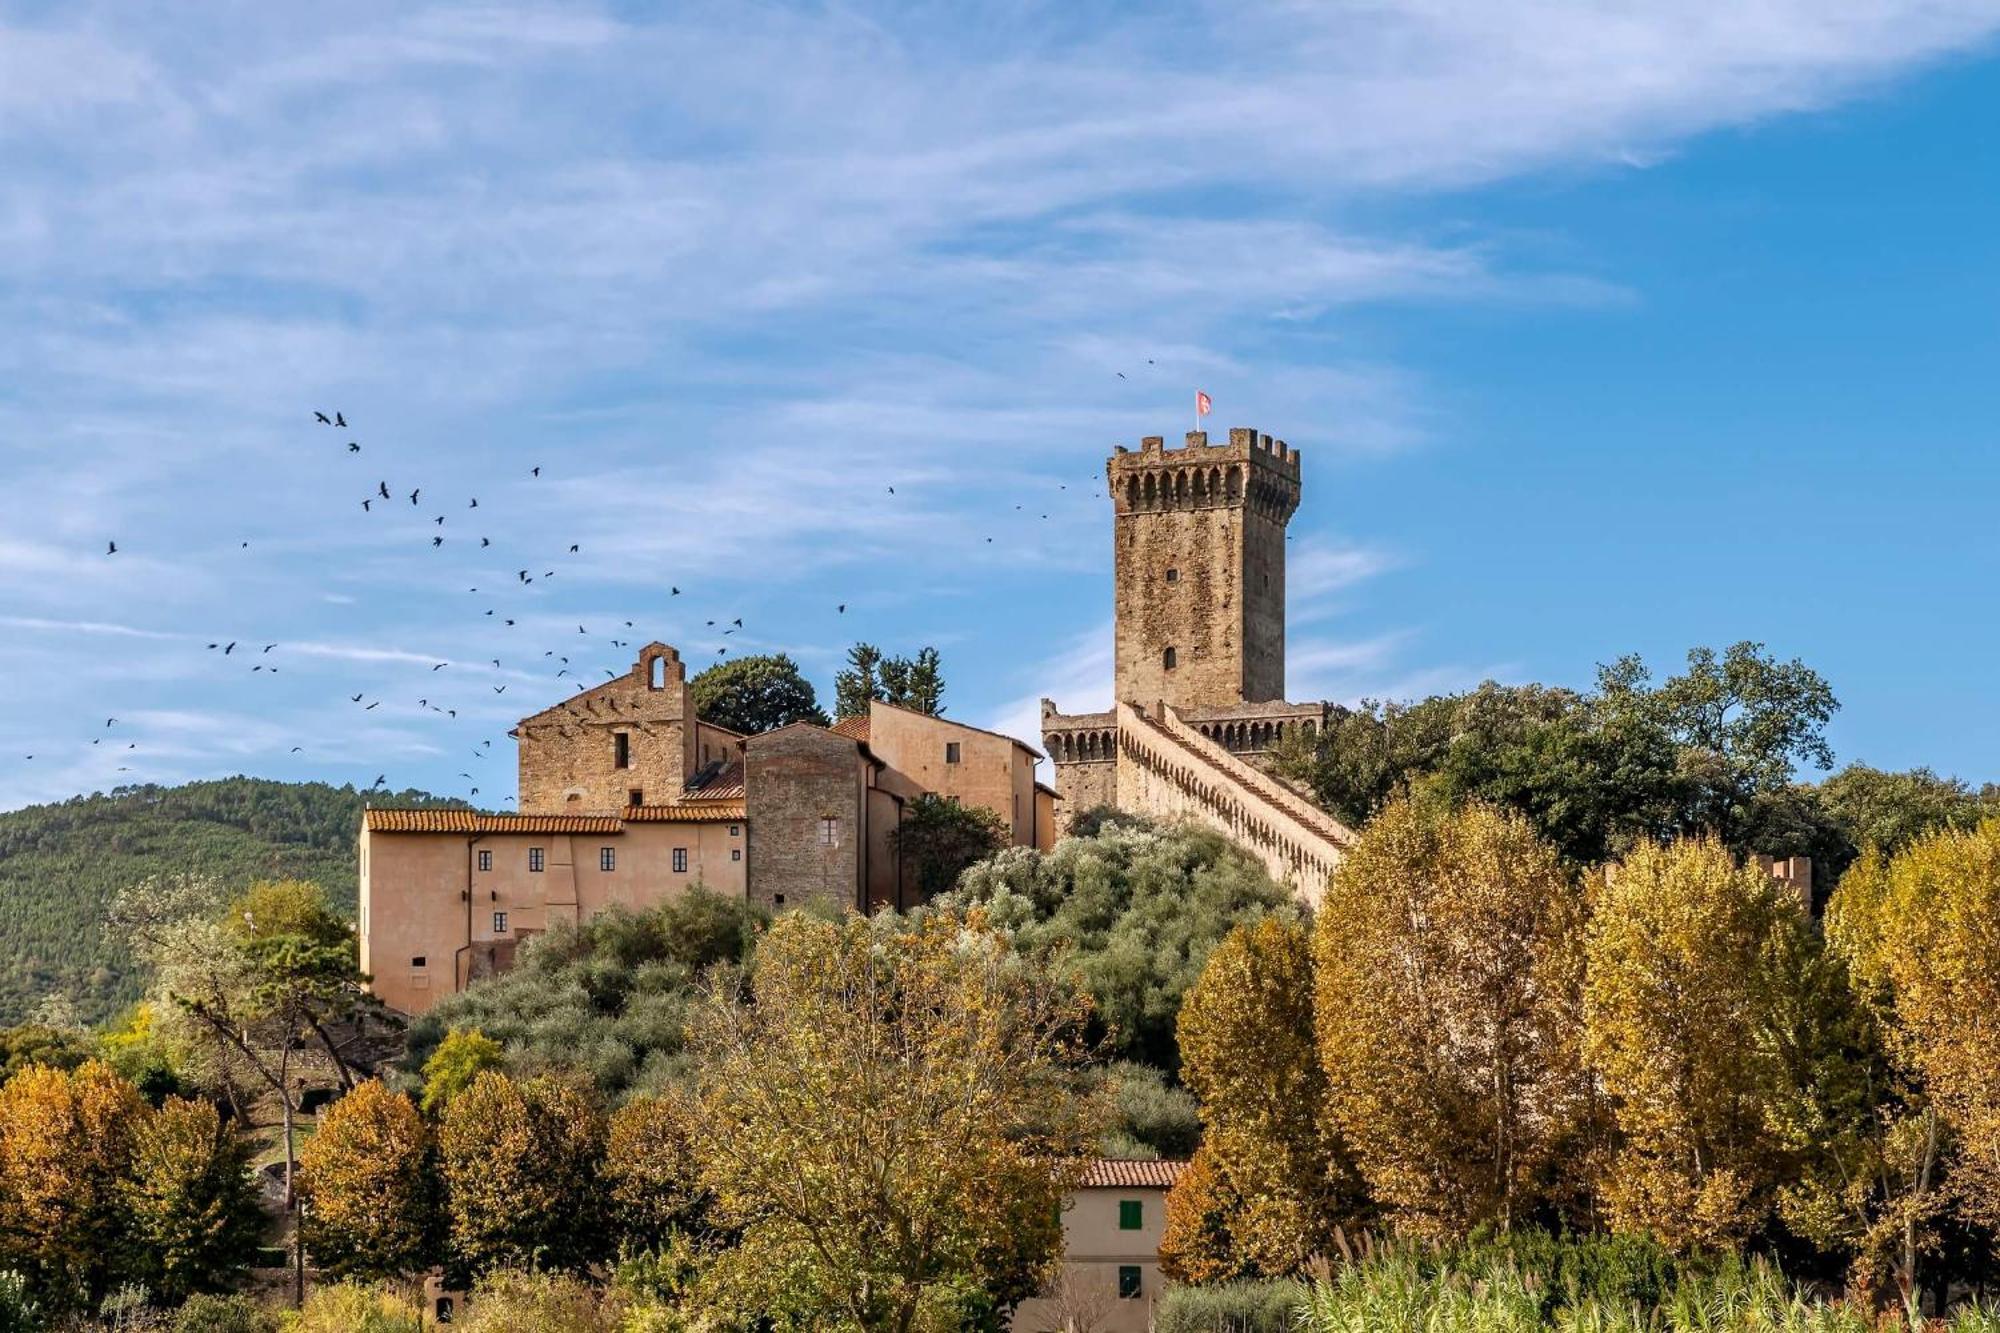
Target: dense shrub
1231	1307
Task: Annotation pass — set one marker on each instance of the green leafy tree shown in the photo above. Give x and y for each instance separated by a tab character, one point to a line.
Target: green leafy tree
938	838
369	1205
889	1122
189	1201
1247	1051
908	682
520	1163
608	999
1132	911
38	1044
755	694
463	1055
1448	977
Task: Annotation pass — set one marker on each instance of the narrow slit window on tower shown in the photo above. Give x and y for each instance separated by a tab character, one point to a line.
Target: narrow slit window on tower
656	674
1167	659
621	749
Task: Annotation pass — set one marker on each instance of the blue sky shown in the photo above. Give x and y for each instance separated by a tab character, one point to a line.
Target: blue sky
1602	331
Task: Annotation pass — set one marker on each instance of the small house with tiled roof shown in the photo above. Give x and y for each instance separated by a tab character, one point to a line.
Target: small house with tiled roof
1110	1278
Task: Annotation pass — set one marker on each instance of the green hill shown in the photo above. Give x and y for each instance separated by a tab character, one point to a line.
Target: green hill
61	865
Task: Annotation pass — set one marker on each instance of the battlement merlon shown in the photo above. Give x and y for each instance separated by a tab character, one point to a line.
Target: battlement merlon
1250	467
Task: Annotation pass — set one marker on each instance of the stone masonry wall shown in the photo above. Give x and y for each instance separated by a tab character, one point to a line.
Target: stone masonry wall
796	777
569	753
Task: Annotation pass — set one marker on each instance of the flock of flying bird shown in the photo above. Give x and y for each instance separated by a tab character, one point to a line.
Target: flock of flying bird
376	501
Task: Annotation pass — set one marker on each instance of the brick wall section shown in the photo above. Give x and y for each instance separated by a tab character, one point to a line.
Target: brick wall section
1169	770
795	777
1198	540
568	753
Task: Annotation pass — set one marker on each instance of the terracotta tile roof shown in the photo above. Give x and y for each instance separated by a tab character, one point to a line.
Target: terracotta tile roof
471	821
1109	1173
725	785
703	812
854	728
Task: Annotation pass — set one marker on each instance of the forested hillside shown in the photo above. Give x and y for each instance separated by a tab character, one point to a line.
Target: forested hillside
61	865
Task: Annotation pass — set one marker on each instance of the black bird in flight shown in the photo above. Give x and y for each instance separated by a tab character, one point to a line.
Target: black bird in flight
1121	374
322	418
485	542
499	689
353	448
368	504
439	520
269	646
230	649
738	622
436	542
536	470
111	549
414	494
297	748
842	608
340	421
572	548
440	666
474	504
380	778
676	591
372	707
892	490
355	699
109	720
382	489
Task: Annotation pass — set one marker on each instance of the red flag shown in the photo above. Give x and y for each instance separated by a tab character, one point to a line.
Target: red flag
1201	403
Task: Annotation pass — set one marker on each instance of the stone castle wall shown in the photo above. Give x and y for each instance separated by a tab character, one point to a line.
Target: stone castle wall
569	754
1168	769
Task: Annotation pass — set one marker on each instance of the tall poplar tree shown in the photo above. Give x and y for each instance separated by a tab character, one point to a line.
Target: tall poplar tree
1448	988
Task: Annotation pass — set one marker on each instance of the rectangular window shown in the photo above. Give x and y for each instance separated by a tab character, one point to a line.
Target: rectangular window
535	859
829	831
1131	1282
621	749
635	797
485	859
735	830
1131	1214
499	923
607	858
418	961
951	752
680	860
736	853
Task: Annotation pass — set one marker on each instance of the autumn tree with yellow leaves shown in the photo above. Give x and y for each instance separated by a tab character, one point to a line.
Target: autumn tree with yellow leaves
1271	1179
1921	932
367	1196
65	1152
1448	986
650	1171
189	1203
1691	965
889	1122
520	1163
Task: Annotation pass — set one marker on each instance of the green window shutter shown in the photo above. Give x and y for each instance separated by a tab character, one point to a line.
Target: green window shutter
1131	1214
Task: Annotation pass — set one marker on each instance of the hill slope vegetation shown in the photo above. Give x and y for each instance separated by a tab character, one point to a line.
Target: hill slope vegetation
62	864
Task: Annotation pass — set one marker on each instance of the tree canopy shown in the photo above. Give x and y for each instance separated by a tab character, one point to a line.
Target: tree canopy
755	694
938	838
1133	909
871	677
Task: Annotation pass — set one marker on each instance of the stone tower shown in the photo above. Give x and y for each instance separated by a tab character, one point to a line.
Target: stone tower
1199	541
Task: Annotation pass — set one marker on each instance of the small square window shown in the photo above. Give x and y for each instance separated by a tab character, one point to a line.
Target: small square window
951	752
535	859
1173	576
499	923
778	899
607	858
1131	1282
485	859
736	853
636	796
680	860
1131	1214
418	961
735	830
